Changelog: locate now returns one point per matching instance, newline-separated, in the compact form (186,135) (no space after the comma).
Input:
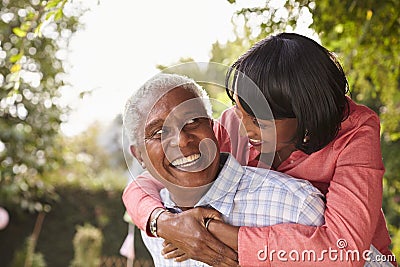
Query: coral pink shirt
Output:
(348,171)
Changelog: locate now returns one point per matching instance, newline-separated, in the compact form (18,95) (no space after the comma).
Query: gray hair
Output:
(139,104)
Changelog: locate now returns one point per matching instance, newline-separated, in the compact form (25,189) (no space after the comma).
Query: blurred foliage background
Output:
(38,164)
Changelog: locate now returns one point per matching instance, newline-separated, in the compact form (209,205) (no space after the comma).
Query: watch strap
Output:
(153,222)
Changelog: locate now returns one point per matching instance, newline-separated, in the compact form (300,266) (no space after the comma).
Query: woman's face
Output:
(266,135)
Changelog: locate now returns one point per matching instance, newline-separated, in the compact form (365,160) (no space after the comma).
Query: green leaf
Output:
(59,15)
(19,32)
(15,58)
(37,29)
(15,68)
(30,15)
(52,4)
(26,26)
(49,14)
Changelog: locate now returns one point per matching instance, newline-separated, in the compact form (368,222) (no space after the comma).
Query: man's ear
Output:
(136,153)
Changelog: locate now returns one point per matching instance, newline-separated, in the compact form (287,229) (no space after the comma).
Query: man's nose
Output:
(180,138)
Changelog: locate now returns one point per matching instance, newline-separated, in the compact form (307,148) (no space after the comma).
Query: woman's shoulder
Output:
(361,123)
(359,116)
(361,111)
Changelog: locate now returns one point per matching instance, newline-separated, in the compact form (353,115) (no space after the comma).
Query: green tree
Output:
(92,159)
(34,36)
(210,75)
(88,242)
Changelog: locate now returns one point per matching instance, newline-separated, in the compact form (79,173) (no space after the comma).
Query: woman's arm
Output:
(141,197)
(352,211)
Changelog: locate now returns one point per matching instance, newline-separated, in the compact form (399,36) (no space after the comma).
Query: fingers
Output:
(182,258)
(221,249)
(167,248)
(221,258)
(186,237)
(216,253)
(170,251)
(174,254)
(208,213)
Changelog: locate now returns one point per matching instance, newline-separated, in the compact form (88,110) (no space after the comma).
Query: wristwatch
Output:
(153,223)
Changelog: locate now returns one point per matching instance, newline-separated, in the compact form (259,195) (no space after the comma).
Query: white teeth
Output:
(255,140)
(186,161)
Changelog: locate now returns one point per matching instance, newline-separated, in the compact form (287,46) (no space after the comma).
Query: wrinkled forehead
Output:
(178,104)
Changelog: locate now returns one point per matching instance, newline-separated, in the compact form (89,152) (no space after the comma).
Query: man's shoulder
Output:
(259,179)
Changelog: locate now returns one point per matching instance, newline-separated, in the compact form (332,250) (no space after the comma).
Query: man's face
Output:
(180,145)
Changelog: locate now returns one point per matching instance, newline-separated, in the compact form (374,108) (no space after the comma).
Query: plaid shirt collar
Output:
(221,194)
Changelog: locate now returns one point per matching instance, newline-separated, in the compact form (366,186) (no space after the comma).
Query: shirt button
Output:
(291,161)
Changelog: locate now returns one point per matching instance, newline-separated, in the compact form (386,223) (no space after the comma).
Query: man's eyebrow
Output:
(194,113)
(153,123)
(201,112)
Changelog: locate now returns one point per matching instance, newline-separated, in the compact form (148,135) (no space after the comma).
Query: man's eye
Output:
(157,134)
(191,121)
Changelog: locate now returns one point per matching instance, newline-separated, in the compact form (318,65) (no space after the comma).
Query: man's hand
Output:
(171,252)
(186,236)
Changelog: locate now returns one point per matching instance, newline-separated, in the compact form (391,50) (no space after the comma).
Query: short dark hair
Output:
(300,79)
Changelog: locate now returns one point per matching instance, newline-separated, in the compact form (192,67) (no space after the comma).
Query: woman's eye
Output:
(255,121)
(260,125)
(263,126)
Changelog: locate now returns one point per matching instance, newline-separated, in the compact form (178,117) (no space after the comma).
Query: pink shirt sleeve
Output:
(141,197)
(352,211)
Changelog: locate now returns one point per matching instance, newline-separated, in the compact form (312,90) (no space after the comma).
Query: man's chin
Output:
(191,179)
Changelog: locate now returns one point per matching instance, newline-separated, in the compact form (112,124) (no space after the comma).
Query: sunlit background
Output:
(147,33)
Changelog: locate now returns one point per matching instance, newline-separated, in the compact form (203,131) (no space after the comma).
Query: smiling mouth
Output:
(186,161)
(255,142)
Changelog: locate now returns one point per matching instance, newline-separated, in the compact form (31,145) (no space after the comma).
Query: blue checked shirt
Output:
(248,196)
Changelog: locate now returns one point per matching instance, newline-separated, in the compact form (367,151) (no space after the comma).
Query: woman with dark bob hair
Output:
(290,96)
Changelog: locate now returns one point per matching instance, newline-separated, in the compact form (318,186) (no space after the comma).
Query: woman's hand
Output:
(187,233)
